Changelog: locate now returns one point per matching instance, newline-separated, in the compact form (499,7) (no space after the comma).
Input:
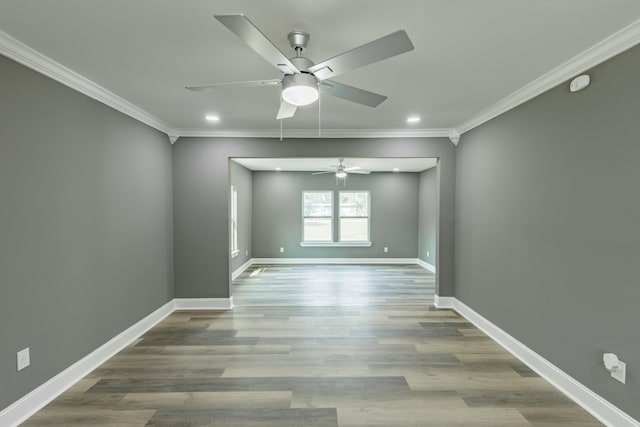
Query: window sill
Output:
(336,244)
(235,254)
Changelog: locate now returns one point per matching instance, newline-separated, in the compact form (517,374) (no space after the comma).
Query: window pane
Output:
(317,203)
(354,203)
(354,229)
(317,230)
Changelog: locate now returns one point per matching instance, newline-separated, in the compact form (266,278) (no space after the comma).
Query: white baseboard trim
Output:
(29,404)
(241,269)
(334,261)
(443,302)
(597,406)
(203,303)
(426,265)
(25,407)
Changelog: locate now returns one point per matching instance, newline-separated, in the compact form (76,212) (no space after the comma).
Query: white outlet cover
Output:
(23,359)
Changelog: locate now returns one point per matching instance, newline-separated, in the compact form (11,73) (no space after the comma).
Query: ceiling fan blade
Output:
(286,110)
(377,50)
(353,168)
(360,172)
(351,93)
(250,83)
(320,173)
(250,34)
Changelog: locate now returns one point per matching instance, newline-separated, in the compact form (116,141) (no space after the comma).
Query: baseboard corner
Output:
(238,271)
(426,265)
(203,303)
(443,302)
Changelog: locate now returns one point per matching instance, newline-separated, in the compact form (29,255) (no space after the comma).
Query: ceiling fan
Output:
(341,171)
(302,78)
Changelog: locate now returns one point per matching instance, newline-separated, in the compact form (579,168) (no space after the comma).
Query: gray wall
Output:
(278,220)
(428,209)
(201,183)
(242,178)
(547,231)
(85,225)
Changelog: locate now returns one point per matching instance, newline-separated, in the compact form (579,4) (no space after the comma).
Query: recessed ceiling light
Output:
(396,169)
(278,169)
(413,119)
(212,118)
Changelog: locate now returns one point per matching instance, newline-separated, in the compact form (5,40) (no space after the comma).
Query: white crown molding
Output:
(613,45)
(600,408)
(20,52)
(454,136)
(313,133)
(617,43)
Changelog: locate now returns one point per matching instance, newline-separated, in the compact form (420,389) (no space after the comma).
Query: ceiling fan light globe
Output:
(341,174)
(299,89)
(300,95)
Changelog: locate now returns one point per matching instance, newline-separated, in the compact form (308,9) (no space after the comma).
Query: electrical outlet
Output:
(246,252)
(281,250)
(427,253)
(23,358)
(386,249)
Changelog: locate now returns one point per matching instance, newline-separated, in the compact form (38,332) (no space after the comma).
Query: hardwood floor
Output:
(316,346)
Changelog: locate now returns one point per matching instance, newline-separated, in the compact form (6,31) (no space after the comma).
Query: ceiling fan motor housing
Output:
(302,64)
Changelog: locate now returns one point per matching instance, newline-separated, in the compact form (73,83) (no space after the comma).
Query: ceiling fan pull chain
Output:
(319,115)
(280,129)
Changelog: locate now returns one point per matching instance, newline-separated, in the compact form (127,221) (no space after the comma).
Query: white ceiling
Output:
(316,164)
(468,55)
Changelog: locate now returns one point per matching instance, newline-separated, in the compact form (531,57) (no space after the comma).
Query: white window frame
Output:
(317,242)
(233,216)
(368,217)
(334,227)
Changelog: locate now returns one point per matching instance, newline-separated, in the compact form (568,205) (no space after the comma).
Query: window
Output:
(234,222)
(354,216)
(317,216)
(352,210)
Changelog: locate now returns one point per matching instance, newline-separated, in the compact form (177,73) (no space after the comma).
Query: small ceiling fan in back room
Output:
(303,79)
(341,171)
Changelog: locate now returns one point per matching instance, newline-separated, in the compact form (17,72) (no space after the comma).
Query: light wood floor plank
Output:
(328,345)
